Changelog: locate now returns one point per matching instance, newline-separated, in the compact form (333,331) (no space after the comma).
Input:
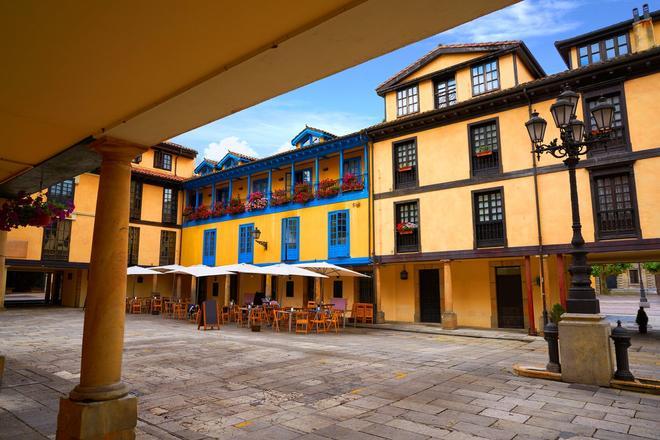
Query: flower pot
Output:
(256,328)
(408,168)
(484,153)
(406,232)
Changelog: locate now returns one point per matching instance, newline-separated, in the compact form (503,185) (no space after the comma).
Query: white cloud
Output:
(217,150)
(284,147)
(530,18)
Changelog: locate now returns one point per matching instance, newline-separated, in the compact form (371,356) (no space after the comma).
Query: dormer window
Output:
(407,101)
(162,160)
(485,78)
(603,50)
(311,140)
(445,92)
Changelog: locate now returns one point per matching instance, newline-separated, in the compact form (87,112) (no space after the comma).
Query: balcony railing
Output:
(302,193)
(616,223)
(490,234)
(408,242)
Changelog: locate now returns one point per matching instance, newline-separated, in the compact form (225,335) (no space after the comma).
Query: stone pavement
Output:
(360,384)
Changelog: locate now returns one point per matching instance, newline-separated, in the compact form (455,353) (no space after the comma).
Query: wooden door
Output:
(429,295)
(510,313)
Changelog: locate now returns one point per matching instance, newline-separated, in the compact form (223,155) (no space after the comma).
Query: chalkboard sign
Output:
(209,316)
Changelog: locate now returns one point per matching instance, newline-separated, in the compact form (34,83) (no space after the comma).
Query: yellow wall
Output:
(642,111)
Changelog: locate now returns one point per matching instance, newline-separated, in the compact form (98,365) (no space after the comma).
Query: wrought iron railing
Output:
(407,242)
(490,234)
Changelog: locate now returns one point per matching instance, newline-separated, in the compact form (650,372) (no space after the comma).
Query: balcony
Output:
(326,191)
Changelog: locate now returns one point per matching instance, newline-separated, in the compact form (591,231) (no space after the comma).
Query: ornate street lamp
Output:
(256,233)
(574,143)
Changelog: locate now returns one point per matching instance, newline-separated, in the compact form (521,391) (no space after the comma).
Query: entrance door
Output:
(508,282)
(201,290)
(429,295)
(366,289)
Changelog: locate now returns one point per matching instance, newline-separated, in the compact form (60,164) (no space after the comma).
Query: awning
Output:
(331,270)
(137,270)
(291,270)
(201,270)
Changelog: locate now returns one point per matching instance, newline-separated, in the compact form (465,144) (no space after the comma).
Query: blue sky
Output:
(346,102)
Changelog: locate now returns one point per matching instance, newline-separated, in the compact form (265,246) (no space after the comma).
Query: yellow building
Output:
(307,204)
(468,229)
(57,257)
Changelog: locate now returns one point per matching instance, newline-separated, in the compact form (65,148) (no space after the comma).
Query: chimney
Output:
(642,30)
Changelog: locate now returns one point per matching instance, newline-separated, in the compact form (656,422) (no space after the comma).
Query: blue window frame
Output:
(245,243)
(338,234)
(208,247)
(302,176)
(222,195)
(353,166)
(290,239)
(199,199)
(260,185)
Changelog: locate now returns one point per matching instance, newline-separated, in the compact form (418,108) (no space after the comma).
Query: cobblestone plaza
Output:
(359,384)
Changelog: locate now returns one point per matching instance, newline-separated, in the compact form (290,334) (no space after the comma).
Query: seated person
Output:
(258,298)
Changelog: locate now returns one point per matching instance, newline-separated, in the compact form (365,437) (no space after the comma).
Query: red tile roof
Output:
(158,174)
(242,156)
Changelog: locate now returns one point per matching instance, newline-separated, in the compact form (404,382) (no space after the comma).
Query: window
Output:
(162,160)
(606,49)
(170,204)
(56,241)
(338,289)
(208,247)
(302,176)
(338,234)
(616,213)
(136,200)
(407,213)
(633,276)
(405,164)
(167,247)
(245,243)
(445,93)
(407,101)
(290,238)
(618,140)
(489,218)
(133,245)
(62,192)
(137,159)
(484,148)
(485,78)
(222,195)
(289,288)
(353,166)
(260,185)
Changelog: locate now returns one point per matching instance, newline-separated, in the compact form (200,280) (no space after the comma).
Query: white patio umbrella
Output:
(168,267)
(330,269)
(291,270)
(244,268)
(137,270)
(200,270)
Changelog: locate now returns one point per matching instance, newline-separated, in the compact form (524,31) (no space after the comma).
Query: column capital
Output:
(117,149)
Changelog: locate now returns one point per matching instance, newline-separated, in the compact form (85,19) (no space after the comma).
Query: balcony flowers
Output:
(218,209)
(279,197)
(200,213)
(187,211)
(485,150)
(256,201)
(350,182)
(327,188)
(406,228)
(302,193)
(27,211)
(235,207)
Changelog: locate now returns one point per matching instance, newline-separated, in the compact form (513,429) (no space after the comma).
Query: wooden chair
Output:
(369,313)
(136,306)
(157,305)
(146,305)
(225,315)
(278,318)
(179,311)
(319,322)
(311,305)
(302,322)
(333,321)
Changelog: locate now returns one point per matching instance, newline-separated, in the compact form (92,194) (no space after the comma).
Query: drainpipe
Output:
(538,219)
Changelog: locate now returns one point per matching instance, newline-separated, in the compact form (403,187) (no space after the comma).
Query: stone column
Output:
(561,274)
(530,296)
(99,407)
(227,289)
(317,292)
(380,314)
(269,286)
(449,318)
(3,268)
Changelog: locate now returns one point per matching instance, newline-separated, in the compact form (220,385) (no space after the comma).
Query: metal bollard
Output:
(621,340)
(551,334)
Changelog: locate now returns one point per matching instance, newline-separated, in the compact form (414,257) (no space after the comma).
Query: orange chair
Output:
(302,322)
(278,317)
(369,313)
(225,315)
(319,322)
(311,304)
(157,305)
(333,322)
(146,305)
(136,306)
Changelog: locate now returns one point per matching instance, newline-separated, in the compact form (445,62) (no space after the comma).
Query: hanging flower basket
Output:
(27,211)
(327,188)
(235,207)
(302,193)
(350,182)
(256,201)
(406,228)
(405,168)
(279,197)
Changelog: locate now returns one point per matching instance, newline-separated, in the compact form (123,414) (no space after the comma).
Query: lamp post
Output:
(572,144)
(256,233)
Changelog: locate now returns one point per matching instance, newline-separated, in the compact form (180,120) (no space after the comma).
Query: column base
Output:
(585,350)
(2,367)
(108,420)
(449,321)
